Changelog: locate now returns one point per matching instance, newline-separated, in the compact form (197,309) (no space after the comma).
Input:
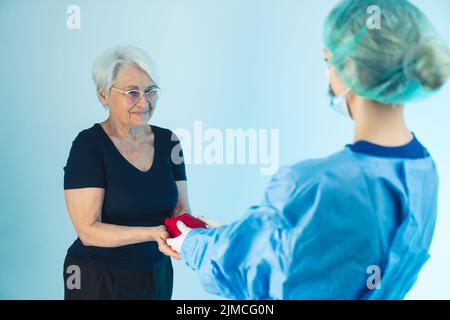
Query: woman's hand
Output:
(160,234)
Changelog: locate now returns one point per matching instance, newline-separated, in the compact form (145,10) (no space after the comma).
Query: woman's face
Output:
(123,108)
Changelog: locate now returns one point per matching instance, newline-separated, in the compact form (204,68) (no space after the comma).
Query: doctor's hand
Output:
(177,243)
(160,235)
(210,223)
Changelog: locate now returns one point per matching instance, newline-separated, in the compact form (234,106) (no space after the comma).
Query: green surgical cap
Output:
(386,50)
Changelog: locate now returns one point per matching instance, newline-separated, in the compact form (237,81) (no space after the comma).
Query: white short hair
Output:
(108,64)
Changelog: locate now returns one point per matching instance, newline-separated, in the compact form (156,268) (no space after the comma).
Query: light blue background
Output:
(230,64)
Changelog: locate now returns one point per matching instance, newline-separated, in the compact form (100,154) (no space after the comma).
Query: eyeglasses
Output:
(134,96)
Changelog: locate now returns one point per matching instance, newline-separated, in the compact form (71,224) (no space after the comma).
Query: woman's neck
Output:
(123,132)
(380,124)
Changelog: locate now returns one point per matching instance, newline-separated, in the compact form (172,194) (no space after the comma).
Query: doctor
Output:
(359,223)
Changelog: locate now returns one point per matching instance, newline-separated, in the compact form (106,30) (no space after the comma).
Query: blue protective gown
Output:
(322,225)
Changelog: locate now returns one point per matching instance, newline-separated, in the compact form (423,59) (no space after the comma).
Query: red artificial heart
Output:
(187,219)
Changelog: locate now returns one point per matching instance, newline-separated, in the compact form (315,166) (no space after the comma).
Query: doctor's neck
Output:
(378,123)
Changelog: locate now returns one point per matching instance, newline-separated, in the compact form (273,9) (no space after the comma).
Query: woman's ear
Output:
(327,54)
(101,94)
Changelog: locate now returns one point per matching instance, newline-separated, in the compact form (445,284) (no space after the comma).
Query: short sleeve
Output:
(84,167)
(176,157)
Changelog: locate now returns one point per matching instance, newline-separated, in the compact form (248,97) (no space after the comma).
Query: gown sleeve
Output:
(246,259)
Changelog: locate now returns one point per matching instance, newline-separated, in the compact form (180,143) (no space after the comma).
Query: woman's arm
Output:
(239,259)
(183,201)
(85,205)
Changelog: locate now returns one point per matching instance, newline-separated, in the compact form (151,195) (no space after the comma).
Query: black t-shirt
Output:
(132,197)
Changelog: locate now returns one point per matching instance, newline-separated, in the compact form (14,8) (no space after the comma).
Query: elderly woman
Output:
(120,184)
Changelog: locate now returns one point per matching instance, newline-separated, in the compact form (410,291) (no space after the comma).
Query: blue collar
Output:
(412,150)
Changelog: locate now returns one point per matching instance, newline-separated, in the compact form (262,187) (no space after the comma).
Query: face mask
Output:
(339,103)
